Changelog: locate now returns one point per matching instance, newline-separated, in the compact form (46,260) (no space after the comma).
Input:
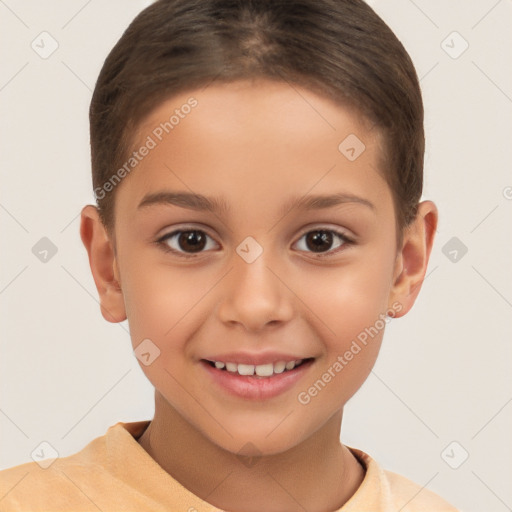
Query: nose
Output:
(254,295)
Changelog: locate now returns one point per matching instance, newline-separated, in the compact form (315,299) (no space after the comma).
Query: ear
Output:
(412,260)
(103,262)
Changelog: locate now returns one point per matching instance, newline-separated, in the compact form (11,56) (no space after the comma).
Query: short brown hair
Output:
(339,48)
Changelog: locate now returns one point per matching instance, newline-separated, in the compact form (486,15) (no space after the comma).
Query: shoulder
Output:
(64,483)
(413,497)
(386,491)
(31,487)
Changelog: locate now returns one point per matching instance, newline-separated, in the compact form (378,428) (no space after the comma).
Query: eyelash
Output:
(161,242)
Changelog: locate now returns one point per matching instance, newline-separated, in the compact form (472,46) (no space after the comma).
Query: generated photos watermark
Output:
(361,341)
(157,135)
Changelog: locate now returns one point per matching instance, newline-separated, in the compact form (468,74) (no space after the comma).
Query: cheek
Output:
(156,299)
(166,305)
(337,381)
(356,322)
(159,308)
(350,305)
(348,298)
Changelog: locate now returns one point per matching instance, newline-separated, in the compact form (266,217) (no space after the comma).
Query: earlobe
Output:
(103,264)
(412,260)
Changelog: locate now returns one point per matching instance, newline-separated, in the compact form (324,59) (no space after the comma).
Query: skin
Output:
(256,144)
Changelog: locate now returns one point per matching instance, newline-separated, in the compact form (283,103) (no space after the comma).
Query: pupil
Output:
(194,239)
(319,238)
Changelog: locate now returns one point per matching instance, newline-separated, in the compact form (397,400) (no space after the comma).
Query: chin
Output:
(256,443)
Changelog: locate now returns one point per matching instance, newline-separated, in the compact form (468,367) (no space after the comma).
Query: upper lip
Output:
(255,359)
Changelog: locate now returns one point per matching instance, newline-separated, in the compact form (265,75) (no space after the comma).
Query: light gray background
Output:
(444,372)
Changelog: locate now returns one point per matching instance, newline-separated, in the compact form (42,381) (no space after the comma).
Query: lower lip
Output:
(253,387)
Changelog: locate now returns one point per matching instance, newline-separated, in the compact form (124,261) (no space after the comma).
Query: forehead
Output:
(258,105)
(272,139)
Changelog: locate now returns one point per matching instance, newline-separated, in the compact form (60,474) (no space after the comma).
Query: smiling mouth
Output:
(262,370)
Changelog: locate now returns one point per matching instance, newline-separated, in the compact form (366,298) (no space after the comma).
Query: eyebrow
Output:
(218,205)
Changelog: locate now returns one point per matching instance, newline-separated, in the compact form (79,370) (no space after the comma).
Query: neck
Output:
(317,475)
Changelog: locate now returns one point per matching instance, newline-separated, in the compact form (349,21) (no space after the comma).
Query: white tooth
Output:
(279,367)
(246,369)
(290,365)
(265,370)
(219,364)
(231,367)
(298,361)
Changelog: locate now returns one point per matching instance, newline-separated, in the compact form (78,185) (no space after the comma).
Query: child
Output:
(231,140)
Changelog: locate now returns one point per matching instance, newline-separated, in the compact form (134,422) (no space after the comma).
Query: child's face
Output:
(256,148)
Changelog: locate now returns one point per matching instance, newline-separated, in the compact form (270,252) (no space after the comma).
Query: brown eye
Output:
(324,242)
(193,241)
(319,241)
(186,241)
